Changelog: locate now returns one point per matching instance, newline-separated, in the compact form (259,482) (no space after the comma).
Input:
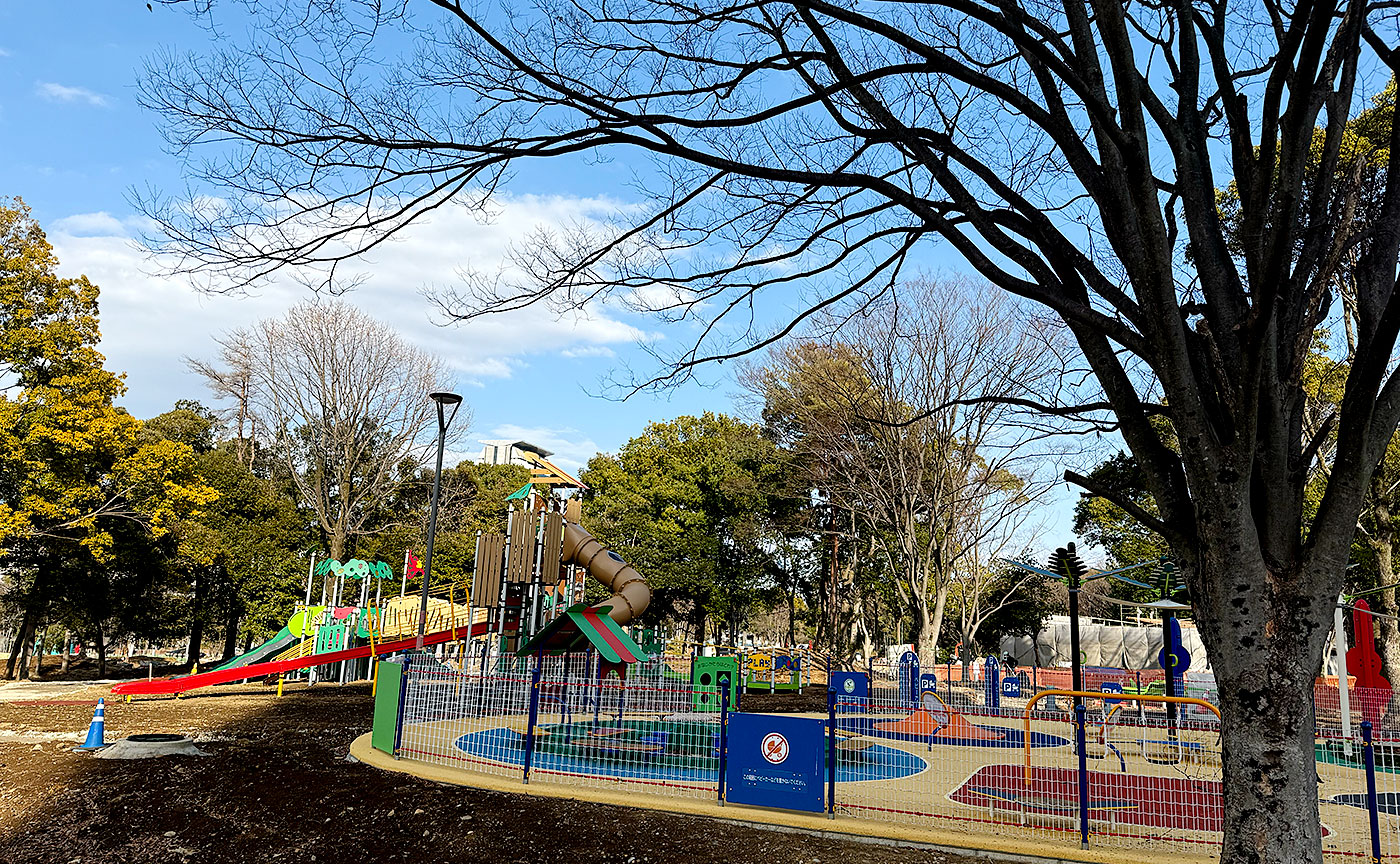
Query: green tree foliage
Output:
(1106,525)
(688,503)
(79,485)
(238,560)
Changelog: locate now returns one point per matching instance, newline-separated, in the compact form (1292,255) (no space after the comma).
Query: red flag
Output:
(414,565)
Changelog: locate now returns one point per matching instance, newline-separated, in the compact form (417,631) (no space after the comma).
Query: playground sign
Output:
(1011,687)
(776,761)
(992,683)
(849,686)
(909,677)
(1111,687)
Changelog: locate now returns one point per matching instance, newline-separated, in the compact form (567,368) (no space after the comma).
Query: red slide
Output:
(277,667)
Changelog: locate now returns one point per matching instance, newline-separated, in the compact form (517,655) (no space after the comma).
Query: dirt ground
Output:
(277,787)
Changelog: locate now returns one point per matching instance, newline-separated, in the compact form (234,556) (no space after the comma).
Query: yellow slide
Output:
(630,593)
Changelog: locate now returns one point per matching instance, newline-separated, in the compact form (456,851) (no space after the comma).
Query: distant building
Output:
(505,451)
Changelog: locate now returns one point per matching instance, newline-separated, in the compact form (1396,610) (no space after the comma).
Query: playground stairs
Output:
(303,648)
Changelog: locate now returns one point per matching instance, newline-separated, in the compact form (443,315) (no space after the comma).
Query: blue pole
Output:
(830,752)
(534,716)
(1372,806)
(1079,712)
(723,733)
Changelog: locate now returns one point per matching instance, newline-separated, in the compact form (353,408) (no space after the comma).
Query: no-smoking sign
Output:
(775,748)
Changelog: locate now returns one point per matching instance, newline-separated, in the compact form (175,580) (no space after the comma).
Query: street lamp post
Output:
(443,400)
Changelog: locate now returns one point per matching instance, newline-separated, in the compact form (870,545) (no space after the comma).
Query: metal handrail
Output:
(1092,694)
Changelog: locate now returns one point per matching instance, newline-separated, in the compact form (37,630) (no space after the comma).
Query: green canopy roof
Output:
(522,493)
(582,627)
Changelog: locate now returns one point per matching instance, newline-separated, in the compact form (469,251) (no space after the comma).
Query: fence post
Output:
(723,680)
(830,751)
(407,662)
(1372,806)
(1079,712)
(534,716)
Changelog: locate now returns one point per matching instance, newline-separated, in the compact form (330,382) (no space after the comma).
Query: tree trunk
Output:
(101,651)
(193,651)
(1265,653)
(1382,542)
(231,633)
(67,652)
(19,651)
(929,623)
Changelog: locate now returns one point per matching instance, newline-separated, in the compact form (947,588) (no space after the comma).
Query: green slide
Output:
(266,651)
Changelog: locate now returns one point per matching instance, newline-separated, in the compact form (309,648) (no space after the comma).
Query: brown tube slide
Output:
(630,593)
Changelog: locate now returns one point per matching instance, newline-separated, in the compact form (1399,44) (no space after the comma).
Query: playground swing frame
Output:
(1090,694)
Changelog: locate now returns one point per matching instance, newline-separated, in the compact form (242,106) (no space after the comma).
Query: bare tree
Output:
(343,401)
(906,423)
(1071,153)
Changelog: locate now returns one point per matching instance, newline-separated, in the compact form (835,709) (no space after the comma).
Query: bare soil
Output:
(277,787)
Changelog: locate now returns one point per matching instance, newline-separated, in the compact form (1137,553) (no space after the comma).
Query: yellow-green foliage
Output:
(70,460)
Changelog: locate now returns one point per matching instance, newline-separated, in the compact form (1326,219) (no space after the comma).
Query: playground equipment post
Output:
(723,680)
(1079,712)
(830,750)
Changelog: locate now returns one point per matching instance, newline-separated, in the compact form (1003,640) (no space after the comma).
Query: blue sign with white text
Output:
(1011,687)
(776,761)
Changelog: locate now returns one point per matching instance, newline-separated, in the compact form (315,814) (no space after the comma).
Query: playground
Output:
(512,683)
(276,788)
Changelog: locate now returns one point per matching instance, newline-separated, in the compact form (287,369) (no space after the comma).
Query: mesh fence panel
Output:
(960,760)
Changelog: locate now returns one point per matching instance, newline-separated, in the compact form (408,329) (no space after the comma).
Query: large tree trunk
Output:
(231,633)
(1265,653)
(19,650)
(929,623)
(101,650)
(193,650)
(1381,541)
(67,652)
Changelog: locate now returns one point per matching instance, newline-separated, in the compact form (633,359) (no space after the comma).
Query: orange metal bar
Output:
(1095,694)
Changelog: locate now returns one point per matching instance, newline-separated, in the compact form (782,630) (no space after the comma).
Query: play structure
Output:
(527,583)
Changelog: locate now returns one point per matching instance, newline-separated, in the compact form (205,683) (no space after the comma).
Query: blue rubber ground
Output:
(876,762)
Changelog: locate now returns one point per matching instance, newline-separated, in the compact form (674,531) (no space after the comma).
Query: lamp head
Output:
(444,398)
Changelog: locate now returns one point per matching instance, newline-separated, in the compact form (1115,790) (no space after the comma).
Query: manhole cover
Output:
(155,738)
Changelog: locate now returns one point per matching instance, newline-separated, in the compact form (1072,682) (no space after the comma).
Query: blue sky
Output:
(74,142)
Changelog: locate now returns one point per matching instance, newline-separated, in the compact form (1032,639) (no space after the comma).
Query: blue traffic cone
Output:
(96,729)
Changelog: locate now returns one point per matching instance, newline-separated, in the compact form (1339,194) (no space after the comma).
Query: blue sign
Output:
(992,683)
(927,681)
(909,677)
(776,761)
(1111,687)
(851,689)
(1011,687)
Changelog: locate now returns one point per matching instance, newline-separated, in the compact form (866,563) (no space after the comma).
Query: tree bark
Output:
(193,651)
(1264,651)
(231,633)
(19,651)
(101,650)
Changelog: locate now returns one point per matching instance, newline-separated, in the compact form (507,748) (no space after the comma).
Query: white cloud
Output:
(4,53)
(571,449)
(587,351)
(150,323)
(54,92)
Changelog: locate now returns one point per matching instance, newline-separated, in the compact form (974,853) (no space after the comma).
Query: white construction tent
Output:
(1103,643)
